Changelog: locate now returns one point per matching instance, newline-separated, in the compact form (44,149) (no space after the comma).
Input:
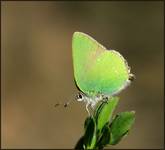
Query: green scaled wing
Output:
(96,69)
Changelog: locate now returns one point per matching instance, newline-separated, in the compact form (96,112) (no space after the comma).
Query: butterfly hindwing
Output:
(97,70)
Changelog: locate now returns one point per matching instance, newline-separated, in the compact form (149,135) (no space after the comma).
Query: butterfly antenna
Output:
(57,104)
(64,104)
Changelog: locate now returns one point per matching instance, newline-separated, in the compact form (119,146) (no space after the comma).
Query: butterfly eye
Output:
(79,97)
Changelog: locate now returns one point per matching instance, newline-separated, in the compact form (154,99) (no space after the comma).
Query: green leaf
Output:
(104,112)
(105,137)
(87,121)
(80,144)
(90,133)
(121,125)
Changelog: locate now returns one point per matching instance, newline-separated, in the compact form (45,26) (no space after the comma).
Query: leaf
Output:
(105,137)
(90,133)
(87,121)
(80,144)
(121,125)
(104,112)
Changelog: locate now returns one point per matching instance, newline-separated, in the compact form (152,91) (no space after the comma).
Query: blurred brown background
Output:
(37,69)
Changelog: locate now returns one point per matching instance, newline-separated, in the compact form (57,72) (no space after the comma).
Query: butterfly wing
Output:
(97,70)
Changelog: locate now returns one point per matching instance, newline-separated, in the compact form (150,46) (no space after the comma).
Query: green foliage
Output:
(104,112)
(90,133)
(101,130)
(121,125)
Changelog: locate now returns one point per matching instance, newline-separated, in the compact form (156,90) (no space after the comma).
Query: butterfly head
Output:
(79,97)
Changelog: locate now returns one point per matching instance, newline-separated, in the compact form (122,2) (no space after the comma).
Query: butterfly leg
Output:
(87,104)
(105,99)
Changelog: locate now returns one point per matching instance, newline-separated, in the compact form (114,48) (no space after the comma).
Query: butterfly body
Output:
(90,100)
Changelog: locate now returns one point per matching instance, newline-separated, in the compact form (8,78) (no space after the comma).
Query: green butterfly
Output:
(99,73)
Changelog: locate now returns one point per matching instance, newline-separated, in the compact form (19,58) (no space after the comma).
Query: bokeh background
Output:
(37,71)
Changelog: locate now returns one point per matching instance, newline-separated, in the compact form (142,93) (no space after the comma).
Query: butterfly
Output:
(99,73)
